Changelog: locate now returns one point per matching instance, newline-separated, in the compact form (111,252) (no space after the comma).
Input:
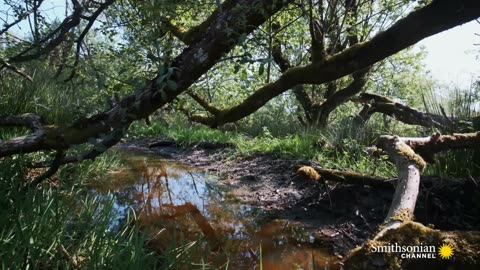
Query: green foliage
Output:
(62,227)
(56,101)
(328,148)
(402,77)
(180,132)
(50,226)
(461,103)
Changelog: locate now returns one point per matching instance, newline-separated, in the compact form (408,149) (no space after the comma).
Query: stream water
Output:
(186,207)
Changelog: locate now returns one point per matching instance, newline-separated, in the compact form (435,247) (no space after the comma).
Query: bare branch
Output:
(15,70)
(56,163)
(20,18)
(374,103)
(29,120)
(91,20)
(105,143)
(51,41)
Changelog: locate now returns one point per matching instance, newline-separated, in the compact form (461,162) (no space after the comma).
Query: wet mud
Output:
(294,220)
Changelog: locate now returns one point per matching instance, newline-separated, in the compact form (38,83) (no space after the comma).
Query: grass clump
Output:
(63,227)
(181,132)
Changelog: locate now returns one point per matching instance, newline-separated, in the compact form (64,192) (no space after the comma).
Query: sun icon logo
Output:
(445,251)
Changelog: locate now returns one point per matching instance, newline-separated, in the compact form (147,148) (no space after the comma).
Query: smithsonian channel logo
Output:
(444,251)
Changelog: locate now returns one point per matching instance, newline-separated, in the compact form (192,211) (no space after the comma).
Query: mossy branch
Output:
(374,103)
(205,104)
(345,177)
(214,42)
(189,36)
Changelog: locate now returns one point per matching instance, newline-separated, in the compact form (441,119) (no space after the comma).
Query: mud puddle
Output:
(186,207)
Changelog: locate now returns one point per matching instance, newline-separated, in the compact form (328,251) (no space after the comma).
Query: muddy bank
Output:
(344,216)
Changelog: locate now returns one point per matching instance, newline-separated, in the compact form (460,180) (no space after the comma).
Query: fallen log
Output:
(428,146)
(373,103)
(345,177)
(399,230)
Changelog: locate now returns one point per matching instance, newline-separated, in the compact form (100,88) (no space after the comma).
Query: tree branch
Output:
(199,57)
(400,35)
(105,143)
(60,32)
(28,120)
(56,163)
(91,20)
(205,104)
(15,70)
(339,97)
(190,65)
(21,17)
(374,103)
(345,177)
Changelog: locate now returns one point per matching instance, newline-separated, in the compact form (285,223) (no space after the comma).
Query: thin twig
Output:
(14,69)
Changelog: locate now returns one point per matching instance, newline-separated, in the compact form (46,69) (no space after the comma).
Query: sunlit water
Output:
(185,207)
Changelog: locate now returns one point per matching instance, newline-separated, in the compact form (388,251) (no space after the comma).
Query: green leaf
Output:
(172,85)
(161,70)
(236,69)
(261,70)
(169,72)
(160,79)
(101,82)
(117,87)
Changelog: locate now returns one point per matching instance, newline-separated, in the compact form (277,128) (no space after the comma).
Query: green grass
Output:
(181,132)
(61,224)
(60,227)
(330,149)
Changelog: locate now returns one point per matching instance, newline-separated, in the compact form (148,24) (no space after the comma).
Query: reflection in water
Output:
(178,204)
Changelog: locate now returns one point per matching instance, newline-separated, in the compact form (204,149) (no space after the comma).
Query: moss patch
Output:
(308,172)
(466,246)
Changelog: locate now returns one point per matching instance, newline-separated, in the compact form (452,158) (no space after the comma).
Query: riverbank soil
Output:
(343,216)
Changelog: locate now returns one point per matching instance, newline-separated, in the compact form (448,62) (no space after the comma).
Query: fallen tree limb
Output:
(398,227)
(374,103)
(100,147)
(428,146)
(29,120)
(55,165)
(409,166)
(345,177)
